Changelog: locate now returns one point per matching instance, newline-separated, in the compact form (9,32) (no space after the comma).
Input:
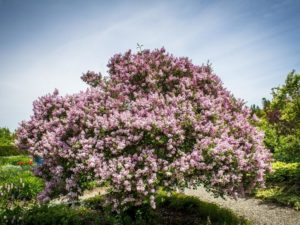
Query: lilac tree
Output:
(157,121)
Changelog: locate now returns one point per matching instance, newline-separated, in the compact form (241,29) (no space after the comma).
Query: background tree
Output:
(281,119)
(6,137)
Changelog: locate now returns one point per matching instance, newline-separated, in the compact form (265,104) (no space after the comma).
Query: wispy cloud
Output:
(249,53)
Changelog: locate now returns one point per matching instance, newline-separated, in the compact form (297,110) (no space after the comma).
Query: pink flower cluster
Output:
(156,122)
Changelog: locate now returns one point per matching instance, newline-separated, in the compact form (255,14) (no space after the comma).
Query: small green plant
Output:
(285,172)
(280,195)
(283,185)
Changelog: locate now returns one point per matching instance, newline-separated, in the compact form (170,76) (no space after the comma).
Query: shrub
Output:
(194,207)
(8,150)
(280,119)
(6,137)
(289,173)
(156,121)
(283,185)
(284,195)
(51,215)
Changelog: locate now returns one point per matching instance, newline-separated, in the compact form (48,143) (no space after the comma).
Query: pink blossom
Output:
(156,121)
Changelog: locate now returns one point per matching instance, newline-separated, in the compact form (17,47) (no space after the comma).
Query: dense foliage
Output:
(7,150)
(156,122)
(283,185)
(7,146)
(6,137)
(280,120)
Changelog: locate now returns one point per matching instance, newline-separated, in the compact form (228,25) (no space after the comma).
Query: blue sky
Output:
(44,45)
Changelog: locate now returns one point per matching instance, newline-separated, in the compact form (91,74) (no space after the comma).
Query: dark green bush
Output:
(283,185)
(193,207)
(6,137)
(280,120)
(52,215)
(7,150)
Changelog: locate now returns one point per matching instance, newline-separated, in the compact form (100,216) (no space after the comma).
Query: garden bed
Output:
(18,205)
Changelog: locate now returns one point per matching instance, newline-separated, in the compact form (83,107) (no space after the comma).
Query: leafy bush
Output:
(283,195)
(280,119)
(8,150)
(288,147)
(6,137)
(289,173)
(193,207)
(157,121)
(283,185)
(51,215)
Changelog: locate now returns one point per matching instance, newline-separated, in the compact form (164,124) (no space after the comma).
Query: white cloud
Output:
(243,57)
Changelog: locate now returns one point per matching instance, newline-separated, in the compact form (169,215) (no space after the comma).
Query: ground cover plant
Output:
(156,121)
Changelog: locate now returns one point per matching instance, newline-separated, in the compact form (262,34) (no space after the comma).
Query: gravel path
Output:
(253,209)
